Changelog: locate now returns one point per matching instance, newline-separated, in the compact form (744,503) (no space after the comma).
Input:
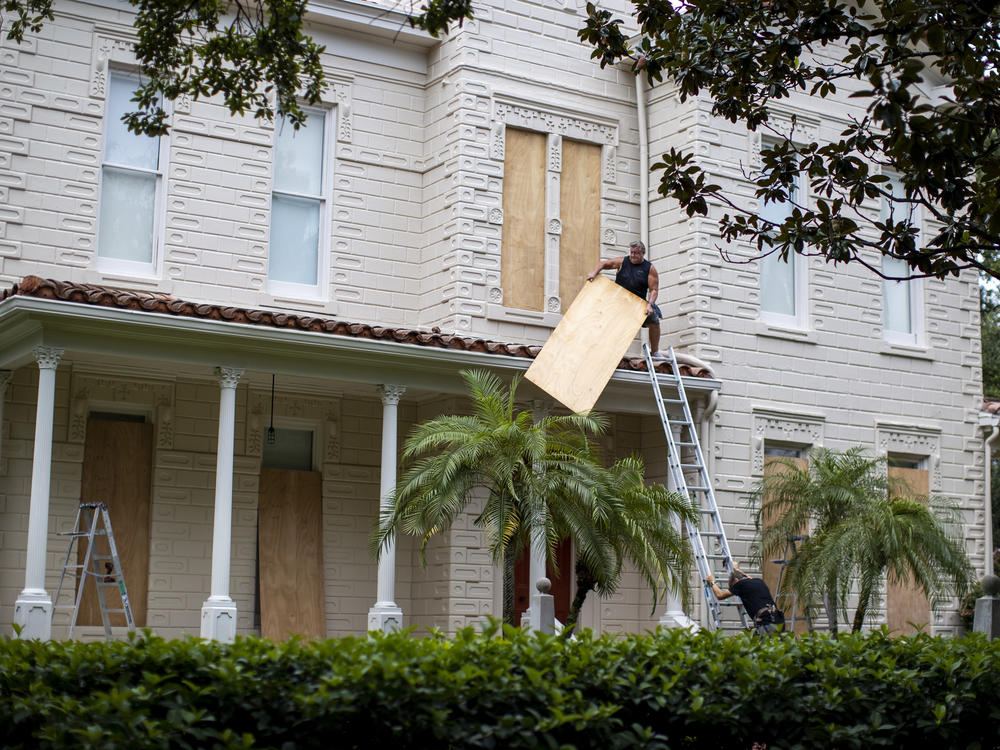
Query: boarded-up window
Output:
(775,461)
(907,609)
(580,213)
(117,459)
(522,265)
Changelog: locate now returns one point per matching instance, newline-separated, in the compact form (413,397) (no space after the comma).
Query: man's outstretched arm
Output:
(604,265)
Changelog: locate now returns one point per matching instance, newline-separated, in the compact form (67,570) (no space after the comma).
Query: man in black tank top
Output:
(755,597)
(637,274)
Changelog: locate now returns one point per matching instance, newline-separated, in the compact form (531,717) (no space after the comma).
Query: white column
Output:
(674,615)
(218,613)
(386,615)
(33,606)
(537,554)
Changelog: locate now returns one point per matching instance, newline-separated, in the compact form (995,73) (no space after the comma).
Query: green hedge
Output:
(667,690)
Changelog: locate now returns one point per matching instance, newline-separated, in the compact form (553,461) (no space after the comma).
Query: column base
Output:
(676,618)
(33,613)
(218,619)
(386,617)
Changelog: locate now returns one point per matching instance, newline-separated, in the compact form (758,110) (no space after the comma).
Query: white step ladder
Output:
(707,537)
(93,520)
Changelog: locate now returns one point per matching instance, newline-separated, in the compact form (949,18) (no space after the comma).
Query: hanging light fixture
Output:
(271,436)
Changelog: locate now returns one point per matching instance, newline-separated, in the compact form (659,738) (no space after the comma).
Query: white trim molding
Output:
(912,440)
(789,428)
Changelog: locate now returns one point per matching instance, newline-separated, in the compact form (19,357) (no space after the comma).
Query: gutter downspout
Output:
(988,447)
(641,89)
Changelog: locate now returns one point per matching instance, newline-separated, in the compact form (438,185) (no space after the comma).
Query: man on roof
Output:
(637,274)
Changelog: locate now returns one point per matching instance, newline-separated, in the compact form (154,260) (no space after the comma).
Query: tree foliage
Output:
(863,526)
(541,479)
(922,72)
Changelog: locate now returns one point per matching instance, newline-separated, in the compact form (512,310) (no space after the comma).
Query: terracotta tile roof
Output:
(90,294)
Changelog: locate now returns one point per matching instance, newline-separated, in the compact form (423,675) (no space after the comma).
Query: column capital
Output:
(5,377)
(390,394)
(47,357)
(229,376)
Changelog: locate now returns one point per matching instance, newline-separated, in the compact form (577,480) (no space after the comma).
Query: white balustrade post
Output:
(218,613)
(386,614)
(33,607)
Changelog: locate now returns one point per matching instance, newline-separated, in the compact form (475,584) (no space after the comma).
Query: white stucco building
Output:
(437,213)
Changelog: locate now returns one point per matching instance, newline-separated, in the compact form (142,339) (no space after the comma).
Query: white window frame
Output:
(799,320)
(120,266)
(915,337)
(319,290)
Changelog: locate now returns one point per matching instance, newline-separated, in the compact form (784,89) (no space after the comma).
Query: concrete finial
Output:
(544,585)
(991,585)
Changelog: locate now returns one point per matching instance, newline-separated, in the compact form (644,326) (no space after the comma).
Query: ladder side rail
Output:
(705,482)
(117,570)
(85,566)
(680,484)
(73,536)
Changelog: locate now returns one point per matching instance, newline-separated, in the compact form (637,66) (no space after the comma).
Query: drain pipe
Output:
(641,90)
(988,446)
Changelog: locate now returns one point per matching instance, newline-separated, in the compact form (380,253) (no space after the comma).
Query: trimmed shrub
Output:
(670,689)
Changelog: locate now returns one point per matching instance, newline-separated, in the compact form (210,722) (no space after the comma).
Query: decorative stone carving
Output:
(555,152)
(47,357)
(156,398)
(229,377)
(548,121)
(345,110)
(554,304)
(554,227)
(609,156)
(801,430)
(911,440)
(496,295)
(390,394)
(496,216)
(322,415)
(498,141)
(609,237)
(108,48)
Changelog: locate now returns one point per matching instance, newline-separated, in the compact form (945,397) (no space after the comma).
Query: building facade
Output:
(171,300)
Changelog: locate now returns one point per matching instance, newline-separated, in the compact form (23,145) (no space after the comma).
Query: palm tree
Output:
(863,527)
(542,480)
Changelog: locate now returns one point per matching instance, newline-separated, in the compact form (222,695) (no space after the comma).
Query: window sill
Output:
(143,276)
(774,331)
(906,350)
(524,317)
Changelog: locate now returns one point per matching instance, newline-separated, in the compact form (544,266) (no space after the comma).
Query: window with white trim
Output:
(131,187)
(902,308)
(299,238)
(783,283)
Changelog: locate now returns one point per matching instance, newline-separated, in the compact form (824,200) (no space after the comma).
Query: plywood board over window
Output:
(117,460)
(289,535)
(772,570)
(522,262)
(907,608)
(580,213)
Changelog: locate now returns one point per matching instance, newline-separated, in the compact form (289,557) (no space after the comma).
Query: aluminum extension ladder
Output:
(95,522)
(707,537)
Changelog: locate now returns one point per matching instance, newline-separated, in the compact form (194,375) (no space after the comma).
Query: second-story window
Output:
(902,321)
(299,207)
(131,178)
(782,283)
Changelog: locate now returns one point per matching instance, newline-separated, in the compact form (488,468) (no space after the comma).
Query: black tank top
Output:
(634,277)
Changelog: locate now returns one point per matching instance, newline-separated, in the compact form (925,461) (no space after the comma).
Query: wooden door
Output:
(117,461)
(771,569)
(524,588)
(907,608)
(290,544)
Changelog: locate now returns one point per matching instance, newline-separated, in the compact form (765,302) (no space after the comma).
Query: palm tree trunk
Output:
(585,583)
(864,598)
(508,587)
(830,601)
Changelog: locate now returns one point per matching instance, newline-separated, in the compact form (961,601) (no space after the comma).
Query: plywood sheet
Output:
(522,257)
(583,351)
(290,539)
(580,208)
(907,608)
(117,460)
(772,570)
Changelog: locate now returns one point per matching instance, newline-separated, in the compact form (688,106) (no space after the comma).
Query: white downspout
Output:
(641,88)
(988,447)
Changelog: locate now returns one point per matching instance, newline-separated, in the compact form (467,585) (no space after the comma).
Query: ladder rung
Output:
(672,400)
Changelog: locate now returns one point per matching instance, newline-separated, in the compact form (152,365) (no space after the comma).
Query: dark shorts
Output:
(653,318)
